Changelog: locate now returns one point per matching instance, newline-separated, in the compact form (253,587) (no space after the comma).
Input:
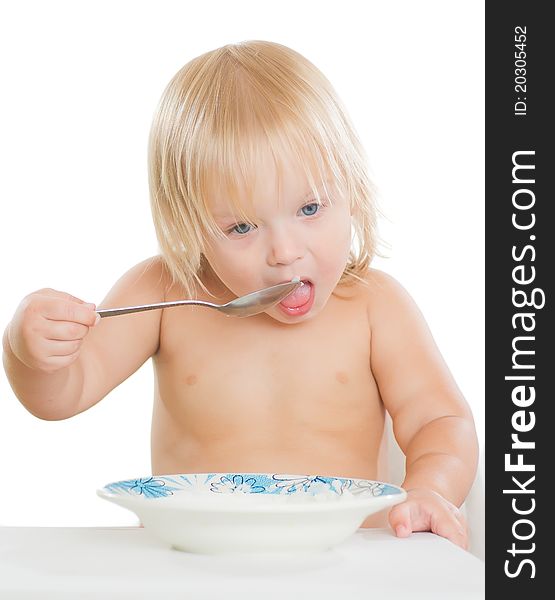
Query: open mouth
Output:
(300,301)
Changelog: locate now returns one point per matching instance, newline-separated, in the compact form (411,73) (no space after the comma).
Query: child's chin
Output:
(291,319)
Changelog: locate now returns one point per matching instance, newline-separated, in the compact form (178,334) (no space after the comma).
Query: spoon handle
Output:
(112,312)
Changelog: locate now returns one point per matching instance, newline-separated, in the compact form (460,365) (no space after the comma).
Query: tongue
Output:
(297,298)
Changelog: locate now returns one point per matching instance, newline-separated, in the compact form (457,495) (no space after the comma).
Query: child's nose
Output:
(284,248)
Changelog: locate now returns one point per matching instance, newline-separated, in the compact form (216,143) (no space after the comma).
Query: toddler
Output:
(256,177)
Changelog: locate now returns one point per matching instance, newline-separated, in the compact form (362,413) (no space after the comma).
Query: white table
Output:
(127,563)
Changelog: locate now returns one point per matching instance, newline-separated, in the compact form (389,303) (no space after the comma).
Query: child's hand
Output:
(48,328)
(426,510)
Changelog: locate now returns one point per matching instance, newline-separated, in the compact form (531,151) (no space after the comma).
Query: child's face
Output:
(293,236)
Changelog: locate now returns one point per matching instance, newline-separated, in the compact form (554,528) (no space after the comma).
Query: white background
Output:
(80,84)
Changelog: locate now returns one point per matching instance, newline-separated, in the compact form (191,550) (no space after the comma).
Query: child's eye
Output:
(241,228)
(310,209)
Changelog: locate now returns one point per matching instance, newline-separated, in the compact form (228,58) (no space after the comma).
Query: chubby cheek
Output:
(237,270)
(334,251)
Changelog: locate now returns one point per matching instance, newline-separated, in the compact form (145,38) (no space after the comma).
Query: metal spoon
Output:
(244,306)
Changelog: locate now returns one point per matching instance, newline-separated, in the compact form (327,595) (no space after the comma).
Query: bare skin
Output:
(305,399)
(278,392)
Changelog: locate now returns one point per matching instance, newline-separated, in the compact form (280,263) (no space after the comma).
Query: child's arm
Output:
(431,420)
(60,364)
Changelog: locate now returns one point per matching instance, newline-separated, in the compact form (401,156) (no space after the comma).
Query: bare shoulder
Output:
(145,282)
(415,383)
(386,299)
(379,282)
(117,347)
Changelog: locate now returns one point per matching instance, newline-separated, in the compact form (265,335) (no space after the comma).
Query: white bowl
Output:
(251,512)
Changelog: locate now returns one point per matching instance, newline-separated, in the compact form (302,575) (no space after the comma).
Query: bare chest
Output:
(228,384)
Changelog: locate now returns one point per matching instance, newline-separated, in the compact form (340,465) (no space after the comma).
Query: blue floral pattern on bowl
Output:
(160,486)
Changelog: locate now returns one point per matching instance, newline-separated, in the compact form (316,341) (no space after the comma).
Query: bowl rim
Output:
(195,501)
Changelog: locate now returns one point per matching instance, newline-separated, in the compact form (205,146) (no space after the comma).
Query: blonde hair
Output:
(216,116)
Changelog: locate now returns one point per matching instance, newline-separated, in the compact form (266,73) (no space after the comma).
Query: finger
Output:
(55,363)
(65,331)
(59,294)
(70,311)
(66,348)
(447,525)
(461,518)
(459,515)
(400,519)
